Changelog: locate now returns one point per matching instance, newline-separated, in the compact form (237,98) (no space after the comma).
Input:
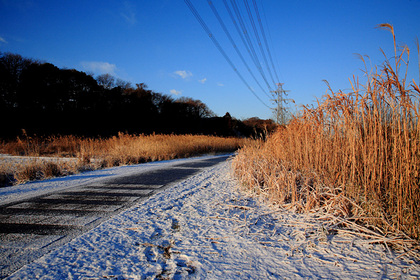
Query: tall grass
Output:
(356,155)
(94,153)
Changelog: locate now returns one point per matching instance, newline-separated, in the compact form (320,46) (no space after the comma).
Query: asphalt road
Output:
(35,226)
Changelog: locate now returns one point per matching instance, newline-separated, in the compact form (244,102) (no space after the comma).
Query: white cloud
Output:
(220,84)
(99,67)
(128,13)
(2,40)
(176,92)
(202,81)
(183,74)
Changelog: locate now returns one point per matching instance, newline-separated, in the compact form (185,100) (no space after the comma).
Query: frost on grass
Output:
(205,228)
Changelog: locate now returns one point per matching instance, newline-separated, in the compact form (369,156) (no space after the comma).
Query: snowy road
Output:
(37,224)
(203,227)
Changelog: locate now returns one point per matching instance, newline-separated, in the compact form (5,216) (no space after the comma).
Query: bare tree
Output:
(122,84)
(196,107)
(106,80)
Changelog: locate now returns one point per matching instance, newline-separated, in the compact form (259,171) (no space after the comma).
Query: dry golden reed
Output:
(356,155)
(92,153)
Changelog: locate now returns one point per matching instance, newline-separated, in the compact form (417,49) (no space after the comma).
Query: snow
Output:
(20,192)
(206,228)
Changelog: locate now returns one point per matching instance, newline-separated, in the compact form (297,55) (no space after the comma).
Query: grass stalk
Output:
(70,154)
(356,155)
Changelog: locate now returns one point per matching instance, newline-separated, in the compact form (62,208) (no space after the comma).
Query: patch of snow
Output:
(205,228)
(10,158)
(19,192)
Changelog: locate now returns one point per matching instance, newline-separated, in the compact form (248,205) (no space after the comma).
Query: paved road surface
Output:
(33,227)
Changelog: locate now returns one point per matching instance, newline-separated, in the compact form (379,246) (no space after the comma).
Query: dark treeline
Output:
(42,99)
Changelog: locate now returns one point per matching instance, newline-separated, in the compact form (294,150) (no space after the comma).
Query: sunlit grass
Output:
(356,155)
(93,153)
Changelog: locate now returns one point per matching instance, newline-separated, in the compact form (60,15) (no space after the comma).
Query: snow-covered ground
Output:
(20,192)
(205,228)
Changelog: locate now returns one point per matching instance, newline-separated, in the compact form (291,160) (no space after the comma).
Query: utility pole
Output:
(279,99)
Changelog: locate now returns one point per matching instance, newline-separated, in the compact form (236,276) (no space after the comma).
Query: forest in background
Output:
(38,98)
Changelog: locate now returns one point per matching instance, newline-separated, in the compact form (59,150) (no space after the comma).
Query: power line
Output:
(216,43)
(251,18)
(271,39)
(265,38)
(248,40)
(237,27)
(234,44)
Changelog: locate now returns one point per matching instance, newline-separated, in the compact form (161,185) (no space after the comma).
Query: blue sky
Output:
(161,43)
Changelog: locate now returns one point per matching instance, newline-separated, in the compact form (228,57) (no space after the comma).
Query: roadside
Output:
(57,156)
(21,191)
(21,169)
(205,228)
(40,220)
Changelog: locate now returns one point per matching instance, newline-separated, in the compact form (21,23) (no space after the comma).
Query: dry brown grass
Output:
(89,153)
(355,157)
